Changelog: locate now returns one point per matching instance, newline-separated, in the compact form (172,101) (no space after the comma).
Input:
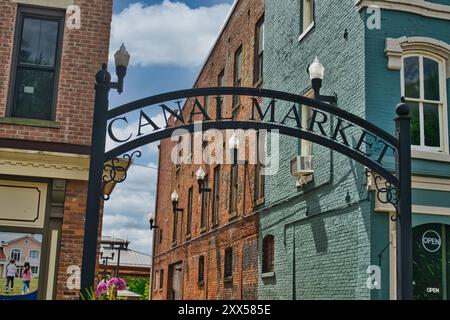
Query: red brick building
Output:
(49,56)
(210,250)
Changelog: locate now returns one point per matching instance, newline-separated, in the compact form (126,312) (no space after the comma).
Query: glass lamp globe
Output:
(316,70)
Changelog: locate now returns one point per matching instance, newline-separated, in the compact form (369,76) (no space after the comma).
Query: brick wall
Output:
(83,53)
(239,232)
(72,236)
(322,241)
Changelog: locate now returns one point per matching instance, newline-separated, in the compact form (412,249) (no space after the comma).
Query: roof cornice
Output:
(420,7)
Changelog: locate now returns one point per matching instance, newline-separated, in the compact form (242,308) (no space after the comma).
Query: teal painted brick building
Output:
(328,232)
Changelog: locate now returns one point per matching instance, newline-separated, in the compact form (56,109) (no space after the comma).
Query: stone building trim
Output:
(44,164)
(420,7)
(60,4)
(396,47)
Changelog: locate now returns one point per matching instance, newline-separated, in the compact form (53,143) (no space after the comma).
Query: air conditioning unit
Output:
(302,167)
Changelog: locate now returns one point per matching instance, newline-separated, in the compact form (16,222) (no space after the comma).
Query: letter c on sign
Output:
(111,134)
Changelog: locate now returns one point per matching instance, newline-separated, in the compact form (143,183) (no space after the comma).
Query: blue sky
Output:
(168,41)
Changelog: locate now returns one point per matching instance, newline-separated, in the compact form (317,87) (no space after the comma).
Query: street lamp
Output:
(151,220)
(316,72)
(201,181)
(105,260)
(122,59)
(97,161)
(175,197)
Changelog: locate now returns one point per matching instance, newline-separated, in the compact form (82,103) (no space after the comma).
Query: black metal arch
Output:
(396,186)
(245,125)
(253,92)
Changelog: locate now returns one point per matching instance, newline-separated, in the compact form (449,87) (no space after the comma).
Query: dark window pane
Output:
(38,43)
(268,254)
(216,194)
(431,79)
(201,268)
(411,74)
(415,123)
(33,94)
(228,263)
(431,125)
(189,213)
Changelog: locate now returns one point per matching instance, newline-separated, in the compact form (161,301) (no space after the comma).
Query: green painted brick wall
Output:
(318,233)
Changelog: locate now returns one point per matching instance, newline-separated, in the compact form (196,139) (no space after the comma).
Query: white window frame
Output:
(307,18)
(443,117)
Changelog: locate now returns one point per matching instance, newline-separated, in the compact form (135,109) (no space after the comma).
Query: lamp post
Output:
(97,160)
(316,73)
(201,181)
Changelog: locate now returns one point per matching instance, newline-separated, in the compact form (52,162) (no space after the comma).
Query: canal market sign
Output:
(271,110)
(329,126)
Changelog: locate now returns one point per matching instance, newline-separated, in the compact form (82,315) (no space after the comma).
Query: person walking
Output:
(11,273)
(27,275)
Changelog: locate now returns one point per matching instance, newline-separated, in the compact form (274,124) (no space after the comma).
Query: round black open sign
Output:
(431,241)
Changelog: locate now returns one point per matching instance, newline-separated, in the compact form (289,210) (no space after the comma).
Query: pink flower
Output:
(102,287)
(117,283)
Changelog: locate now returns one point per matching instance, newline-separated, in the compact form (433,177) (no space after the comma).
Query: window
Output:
(221,79)
(259,177)
(189,212)
(175,227)
(237,81)
(36,63)
(161,279)
(156,280)
(268,254)
(423,85)
(201,270)
(259,51)
(34,254)
(216,194)
(228,267)
(160,235)
(35,270)
(234,188)
(205,205)
(308,16)
(191,155)
(206,104)
(16,254)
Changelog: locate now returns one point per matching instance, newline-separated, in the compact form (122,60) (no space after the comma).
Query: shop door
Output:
(431,258)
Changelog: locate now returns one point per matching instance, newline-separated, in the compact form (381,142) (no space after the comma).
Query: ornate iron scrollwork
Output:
(386,192)
(115,171)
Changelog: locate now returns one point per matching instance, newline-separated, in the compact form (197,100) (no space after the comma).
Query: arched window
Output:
(268,254)
(423,86)
(228,267)
(201,270)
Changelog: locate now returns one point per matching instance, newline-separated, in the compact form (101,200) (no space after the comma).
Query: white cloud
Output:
(169,33)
